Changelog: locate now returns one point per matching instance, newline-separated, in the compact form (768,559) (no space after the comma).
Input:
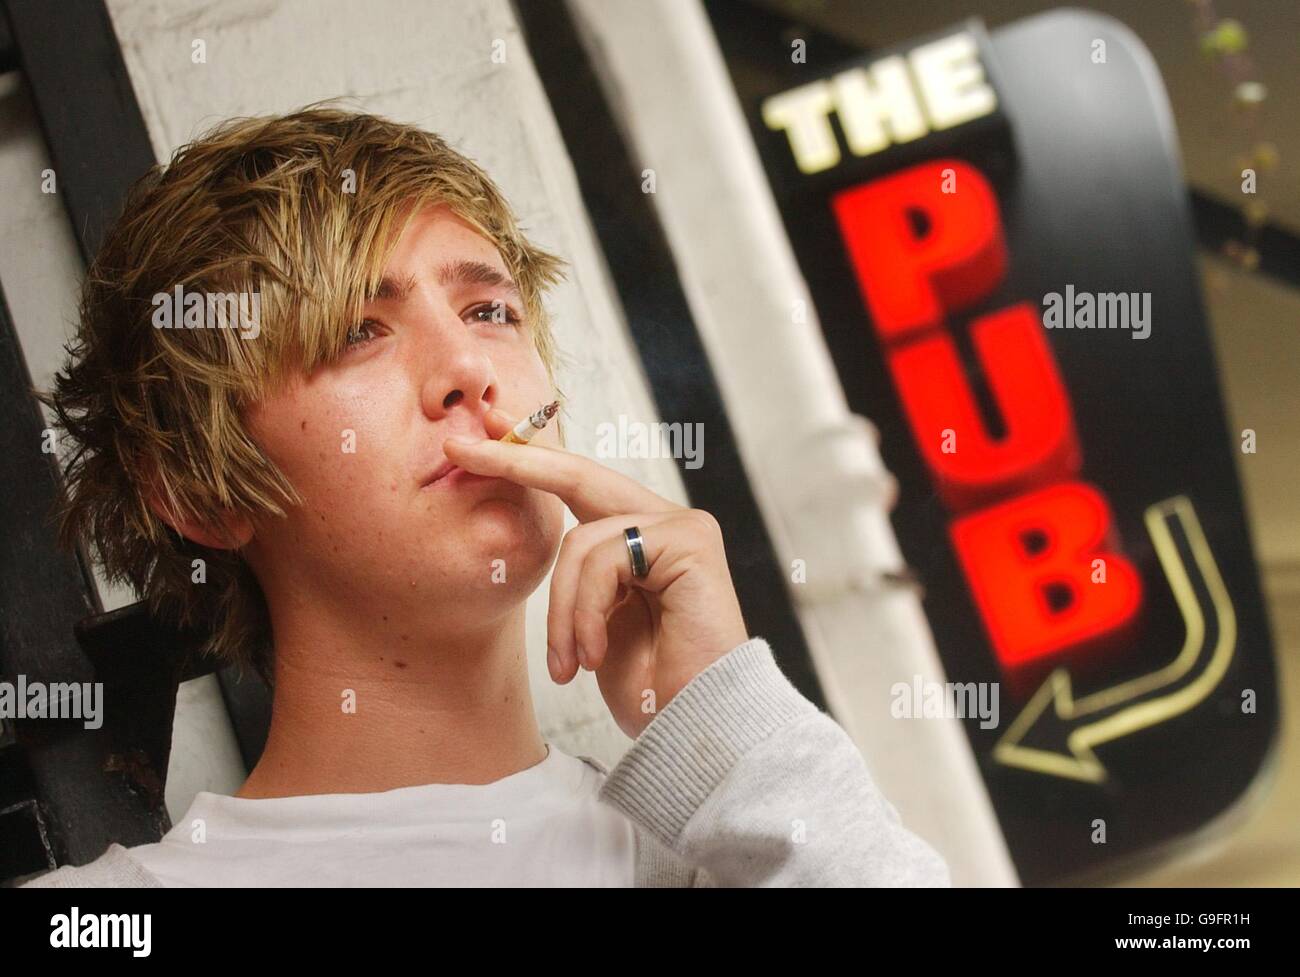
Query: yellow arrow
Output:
(1081,762)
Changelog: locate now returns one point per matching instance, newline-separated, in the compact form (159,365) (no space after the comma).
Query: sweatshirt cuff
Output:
(696,740)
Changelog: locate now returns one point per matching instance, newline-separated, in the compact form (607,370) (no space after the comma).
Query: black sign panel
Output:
(1068,492)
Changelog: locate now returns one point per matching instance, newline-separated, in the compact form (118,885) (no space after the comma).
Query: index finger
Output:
(591,490)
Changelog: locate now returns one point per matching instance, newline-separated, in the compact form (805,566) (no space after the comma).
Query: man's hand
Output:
(645,638)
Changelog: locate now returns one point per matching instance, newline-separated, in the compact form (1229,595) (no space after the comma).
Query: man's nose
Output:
(454,368)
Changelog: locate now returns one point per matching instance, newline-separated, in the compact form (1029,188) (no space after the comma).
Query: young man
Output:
(323,489)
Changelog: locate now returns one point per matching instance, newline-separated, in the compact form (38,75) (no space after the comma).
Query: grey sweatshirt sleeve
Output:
(745,779)
(115,869)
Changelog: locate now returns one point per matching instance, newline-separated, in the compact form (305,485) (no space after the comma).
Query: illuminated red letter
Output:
(910,274)
(968,466)
(1029,563)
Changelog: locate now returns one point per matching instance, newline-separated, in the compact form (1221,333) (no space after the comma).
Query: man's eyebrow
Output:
(466,272)
(462,271)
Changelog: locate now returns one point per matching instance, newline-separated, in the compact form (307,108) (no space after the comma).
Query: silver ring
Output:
(636,550)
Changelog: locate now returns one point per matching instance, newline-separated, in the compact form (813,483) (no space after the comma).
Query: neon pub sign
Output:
(1030,534)
(1035,542)
(926,243)
(1146,668)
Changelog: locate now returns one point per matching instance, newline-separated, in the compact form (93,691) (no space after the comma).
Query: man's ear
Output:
(238,528)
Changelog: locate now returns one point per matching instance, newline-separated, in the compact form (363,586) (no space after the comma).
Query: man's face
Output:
(361,440)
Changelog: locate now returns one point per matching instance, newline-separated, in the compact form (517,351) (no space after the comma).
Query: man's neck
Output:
(360,713)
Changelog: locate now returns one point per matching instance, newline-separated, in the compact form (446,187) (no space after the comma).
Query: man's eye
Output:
(360,334)
(498,312)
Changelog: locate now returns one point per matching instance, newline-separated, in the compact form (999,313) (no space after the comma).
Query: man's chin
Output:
(492,558)
(494,547)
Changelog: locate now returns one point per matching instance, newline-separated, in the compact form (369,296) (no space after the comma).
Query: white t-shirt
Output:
(542,826)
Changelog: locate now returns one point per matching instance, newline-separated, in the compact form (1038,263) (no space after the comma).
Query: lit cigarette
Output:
(525,430)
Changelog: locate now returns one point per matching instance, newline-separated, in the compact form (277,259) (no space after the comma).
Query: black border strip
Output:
(79,84)
(676,365)
(1217,223)
(88,792)
(99,145)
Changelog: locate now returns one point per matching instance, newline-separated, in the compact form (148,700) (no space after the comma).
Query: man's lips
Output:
(447,467)
(449,474)
(439,473)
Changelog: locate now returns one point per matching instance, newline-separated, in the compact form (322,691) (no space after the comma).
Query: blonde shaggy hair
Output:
(256,205)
